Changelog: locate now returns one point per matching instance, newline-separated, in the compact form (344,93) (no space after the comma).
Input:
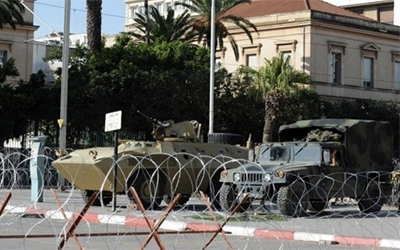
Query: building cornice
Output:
(357,23)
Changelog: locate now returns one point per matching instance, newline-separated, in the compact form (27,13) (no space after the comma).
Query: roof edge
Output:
(358,23)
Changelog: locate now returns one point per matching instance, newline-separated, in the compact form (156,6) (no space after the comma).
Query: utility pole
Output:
(62,122)
(212,68)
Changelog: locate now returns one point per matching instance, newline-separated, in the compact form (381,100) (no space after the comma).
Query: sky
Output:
(49,15)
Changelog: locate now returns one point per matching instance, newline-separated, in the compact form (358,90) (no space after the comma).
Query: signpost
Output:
(113,123)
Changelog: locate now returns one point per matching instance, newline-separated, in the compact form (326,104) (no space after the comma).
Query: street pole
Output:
(64,79)
(115,171)
(212,68)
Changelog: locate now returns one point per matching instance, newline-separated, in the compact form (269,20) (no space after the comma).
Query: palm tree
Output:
(165,28)
(93,28)
(201,22)
(11,13)
(273,83)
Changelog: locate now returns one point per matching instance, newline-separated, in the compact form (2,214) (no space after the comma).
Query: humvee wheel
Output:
(293,199)
(229,199)
(371,201)
(103,198)
(150,189)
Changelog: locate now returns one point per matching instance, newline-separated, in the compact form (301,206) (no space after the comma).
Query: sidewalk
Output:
(346,228)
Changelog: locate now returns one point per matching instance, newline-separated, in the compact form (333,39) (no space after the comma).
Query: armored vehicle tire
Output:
(150,189)
(225,138)
(181,202)
(214,192)
(371,201)
(104,198)
(318,205)
(293,200)
(229,199)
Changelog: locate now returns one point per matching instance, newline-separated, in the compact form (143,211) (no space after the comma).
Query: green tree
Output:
(302,104)
(39,101)
(8,70)
(235,110)
(163,80)
(202,21)
(8,103)
(93,28)
(239,112)
(368,110)
(6,115)
(273,83)
(165,28)
(24,103)
(11,13)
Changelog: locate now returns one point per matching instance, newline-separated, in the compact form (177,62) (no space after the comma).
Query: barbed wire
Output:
(334,217)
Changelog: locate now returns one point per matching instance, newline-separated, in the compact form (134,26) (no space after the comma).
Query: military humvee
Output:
(175,162)
(316,160)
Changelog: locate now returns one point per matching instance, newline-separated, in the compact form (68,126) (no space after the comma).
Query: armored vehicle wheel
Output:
(181,202)
(104,198)
(149,188)
(213,191)
(371,201)
(225,138)
(229,199)
(293,200)
(318,205)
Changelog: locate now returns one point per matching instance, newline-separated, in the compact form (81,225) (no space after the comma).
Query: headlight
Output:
(236,177)
(224,173)
(267,177)
(280,174)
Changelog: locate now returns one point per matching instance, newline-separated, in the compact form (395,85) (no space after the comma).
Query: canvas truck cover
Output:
(368,144)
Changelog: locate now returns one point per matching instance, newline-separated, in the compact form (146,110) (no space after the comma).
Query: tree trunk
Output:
(268,124)
(93,20)
(274,102)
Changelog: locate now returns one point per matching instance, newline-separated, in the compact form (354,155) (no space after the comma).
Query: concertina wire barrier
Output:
(340,216)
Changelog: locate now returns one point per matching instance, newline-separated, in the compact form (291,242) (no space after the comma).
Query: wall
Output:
(311,40)
(16,43)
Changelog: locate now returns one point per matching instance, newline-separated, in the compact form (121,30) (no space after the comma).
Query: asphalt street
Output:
(27,224)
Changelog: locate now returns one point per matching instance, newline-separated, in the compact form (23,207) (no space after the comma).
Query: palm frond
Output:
(202,23)
(11,13)
(167,28)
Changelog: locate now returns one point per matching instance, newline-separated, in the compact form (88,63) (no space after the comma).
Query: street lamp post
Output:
(212,68)
(64,79)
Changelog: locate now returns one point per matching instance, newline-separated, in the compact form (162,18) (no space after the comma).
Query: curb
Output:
(178,226)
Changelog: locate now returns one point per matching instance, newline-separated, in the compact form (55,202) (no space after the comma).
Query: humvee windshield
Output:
(290,153)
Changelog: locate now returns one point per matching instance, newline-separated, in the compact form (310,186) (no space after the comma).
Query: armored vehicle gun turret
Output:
(175,162)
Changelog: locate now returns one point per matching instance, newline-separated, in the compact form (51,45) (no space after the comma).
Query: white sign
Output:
(113,121)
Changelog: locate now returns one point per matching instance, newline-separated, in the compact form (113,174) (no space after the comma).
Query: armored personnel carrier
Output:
(315,161)
(175,162)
